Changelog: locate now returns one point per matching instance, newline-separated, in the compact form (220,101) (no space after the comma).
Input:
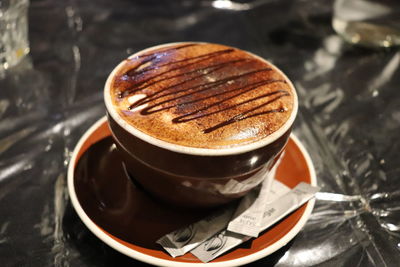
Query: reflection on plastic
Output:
(349,120)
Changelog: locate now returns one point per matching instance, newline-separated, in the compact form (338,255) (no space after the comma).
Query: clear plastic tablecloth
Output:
(349,121)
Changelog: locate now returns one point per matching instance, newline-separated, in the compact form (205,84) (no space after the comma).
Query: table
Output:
(349,121)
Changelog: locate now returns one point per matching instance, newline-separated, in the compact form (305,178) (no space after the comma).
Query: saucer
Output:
(125,217)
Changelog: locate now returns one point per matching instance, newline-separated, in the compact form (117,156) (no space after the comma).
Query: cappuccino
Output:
(201,95)
(199,124)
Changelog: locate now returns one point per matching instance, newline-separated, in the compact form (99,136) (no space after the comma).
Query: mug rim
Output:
(239,149)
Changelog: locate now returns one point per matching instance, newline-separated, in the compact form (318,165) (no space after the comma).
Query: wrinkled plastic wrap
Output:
(349,121)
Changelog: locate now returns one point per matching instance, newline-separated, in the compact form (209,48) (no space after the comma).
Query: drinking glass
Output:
(14,43)
(368,22)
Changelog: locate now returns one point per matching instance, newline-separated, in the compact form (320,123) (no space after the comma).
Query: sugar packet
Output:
(249,213)
(275,211)
(178,242)
(183,240)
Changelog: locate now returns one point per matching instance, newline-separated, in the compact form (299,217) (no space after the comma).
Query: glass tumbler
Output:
(14,43)
(373,23)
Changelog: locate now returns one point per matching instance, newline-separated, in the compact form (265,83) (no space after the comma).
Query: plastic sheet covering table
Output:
(349,120)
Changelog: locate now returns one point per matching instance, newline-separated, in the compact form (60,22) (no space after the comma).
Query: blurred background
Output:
(347,77)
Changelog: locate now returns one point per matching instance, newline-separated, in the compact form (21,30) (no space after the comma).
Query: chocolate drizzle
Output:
(136,88)
(186,85)
(205,87)
(242,116)
(181,118)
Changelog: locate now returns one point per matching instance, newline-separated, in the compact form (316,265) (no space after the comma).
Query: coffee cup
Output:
(199,124)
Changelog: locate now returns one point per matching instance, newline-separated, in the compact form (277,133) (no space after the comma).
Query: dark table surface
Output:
(349,120)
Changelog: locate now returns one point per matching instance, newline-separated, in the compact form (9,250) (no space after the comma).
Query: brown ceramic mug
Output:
(199,124)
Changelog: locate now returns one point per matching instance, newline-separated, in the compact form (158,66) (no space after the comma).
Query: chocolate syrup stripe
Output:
(149,68)
(151,56)
(166,50)
(206,57)
(181,119)
(231,107)
(160,57)
(208,69)
(241,116)
(208,86)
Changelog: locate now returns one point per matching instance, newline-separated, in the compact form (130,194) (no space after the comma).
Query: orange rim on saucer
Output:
(295,167)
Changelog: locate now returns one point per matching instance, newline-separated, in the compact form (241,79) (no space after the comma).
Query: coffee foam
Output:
(201,95)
